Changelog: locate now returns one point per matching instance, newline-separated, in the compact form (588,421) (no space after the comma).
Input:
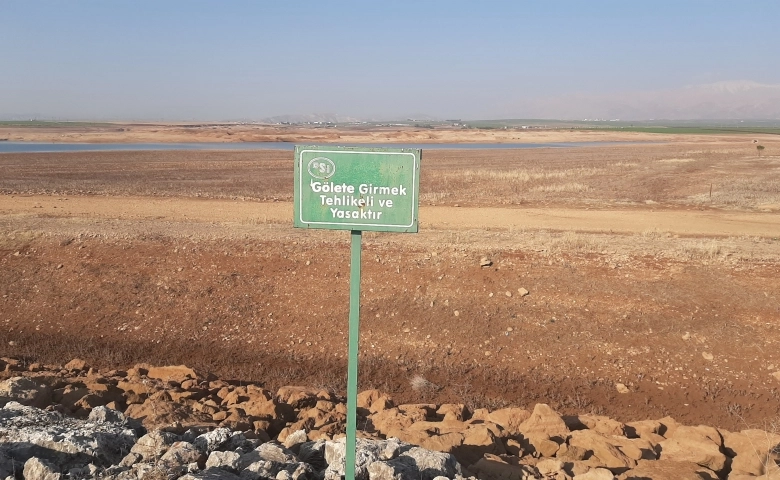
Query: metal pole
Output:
(352,366)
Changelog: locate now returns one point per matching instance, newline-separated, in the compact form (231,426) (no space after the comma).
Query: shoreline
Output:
(163,133)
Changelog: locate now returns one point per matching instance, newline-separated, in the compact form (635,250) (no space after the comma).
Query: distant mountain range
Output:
(722,100)
(743,99)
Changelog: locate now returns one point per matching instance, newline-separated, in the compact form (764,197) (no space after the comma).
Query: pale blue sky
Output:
(218,60)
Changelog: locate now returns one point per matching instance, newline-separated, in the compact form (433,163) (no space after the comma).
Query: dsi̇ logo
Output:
(322,168)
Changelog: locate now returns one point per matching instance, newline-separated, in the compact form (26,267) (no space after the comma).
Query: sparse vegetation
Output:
(420,384)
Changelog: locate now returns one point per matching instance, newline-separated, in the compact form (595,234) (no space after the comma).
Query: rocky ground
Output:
(173,422)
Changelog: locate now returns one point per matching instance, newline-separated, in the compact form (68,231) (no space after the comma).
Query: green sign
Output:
(354,188)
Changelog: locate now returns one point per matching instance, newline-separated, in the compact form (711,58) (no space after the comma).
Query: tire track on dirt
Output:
(684,222)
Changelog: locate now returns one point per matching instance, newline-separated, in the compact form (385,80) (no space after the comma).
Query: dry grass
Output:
(745,193)
(420,384)
(700,249)
(587,176)
(654,233)
(677,160)
(561,188)
(571,242)
(17,240)
(262,175)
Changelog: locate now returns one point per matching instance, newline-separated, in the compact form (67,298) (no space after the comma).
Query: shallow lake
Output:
(33,147)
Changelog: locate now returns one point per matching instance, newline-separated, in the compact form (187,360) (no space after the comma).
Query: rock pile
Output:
(174,420)
(42,445)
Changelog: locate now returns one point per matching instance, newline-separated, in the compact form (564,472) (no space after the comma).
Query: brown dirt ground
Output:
(174,257)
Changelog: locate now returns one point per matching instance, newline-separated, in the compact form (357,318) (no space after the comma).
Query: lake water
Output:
(32,147)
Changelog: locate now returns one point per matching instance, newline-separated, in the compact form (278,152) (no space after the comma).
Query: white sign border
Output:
(356,152)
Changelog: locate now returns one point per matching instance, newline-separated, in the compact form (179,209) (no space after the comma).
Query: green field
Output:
(698,127)
(692,130)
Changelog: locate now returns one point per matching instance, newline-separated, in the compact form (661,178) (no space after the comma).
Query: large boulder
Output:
(700,445)
(173,373)
(212,473)
(597,423)
(225,460)
(297,397)
(63,441)
(544,421)
(605,449)
(478,441)
(367,453)
(37,469)
(540,445)
(415,463)
(752,451)
(389,459)
(647,429)
(367,398)
(668,470)
(153,445)
(494,468)
(182,453)
(393,422)
(510,419)
(213,440)
(266,409)
(267,452)
(157,413)
(25,391)
(262,470)
(595,474)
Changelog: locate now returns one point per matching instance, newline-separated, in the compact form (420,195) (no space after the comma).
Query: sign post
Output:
(356,189)
(354,341)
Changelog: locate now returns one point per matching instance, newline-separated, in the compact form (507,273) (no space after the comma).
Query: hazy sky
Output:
(218,60)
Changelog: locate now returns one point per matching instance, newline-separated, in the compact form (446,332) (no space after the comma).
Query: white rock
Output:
(267,452)
(180,454)
(213,440)
(25,391)
(211,474)
(296,438)
(429,461)
(154,444)
(224,460)
(66,442)
(37,469)
(367,453)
